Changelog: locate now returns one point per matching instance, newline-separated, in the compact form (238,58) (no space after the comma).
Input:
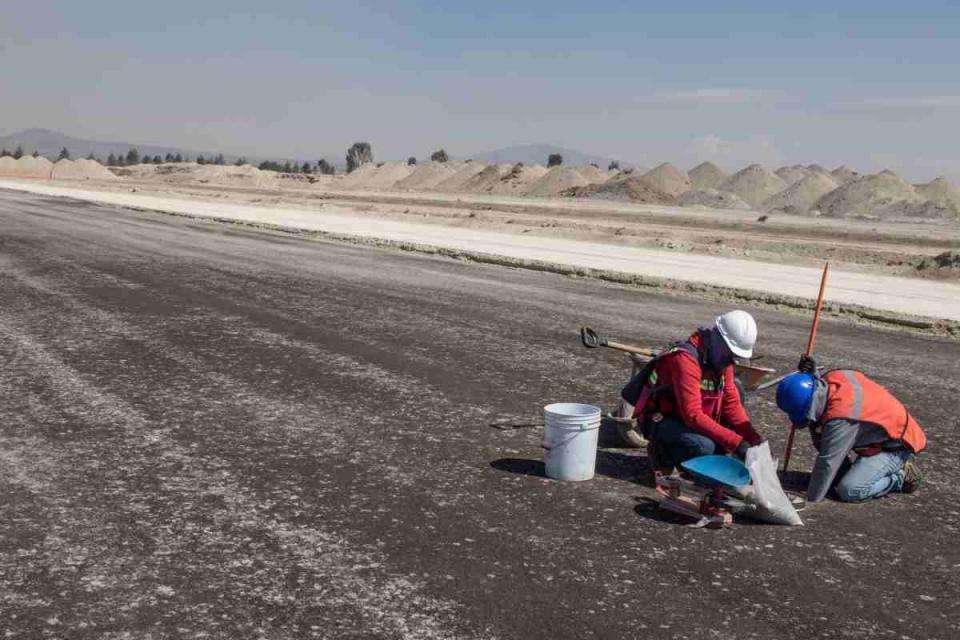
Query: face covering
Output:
(719,356)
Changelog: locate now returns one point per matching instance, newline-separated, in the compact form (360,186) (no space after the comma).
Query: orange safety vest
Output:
(853,396)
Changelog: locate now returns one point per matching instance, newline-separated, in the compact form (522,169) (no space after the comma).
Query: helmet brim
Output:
(738,351)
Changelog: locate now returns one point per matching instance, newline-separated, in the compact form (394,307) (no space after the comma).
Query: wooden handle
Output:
(811,342)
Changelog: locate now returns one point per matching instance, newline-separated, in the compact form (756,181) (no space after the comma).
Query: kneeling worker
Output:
(687,403)
(847,411)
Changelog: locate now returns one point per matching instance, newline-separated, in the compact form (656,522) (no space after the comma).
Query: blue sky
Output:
(871,84)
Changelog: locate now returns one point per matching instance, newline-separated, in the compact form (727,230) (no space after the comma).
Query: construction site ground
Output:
(213,431)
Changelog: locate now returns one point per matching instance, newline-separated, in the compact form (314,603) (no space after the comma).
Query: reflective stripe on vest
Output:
(853,396)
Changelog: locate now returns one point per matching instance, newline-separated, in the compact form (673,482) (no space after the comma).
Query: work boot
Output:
(657,467)
(911,477)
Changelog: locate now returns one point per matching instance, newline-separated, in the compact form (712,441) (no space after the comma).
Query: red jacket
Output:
(692,395)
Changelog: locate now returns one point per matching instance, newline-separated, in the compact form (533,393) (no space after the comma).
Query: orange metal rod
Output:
(811,342)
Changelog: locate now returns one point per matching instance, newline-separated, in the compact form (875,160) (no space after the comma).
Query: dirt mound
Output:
(555,181)
(627,189)
(7,166)
(518,179)
(467,172)
(26,167)
(844,174)
(426,176)
(800,196)
(793,173)
(355,178)
(594,174)
(384,177)
(942,192)
(706,175)
(81,169)
(753,184)
(881,195)
(712,199)
(485,180)
(668,179)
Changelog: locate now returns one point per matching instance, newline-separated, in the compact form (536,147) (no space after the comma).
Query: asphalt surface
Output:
(209,431)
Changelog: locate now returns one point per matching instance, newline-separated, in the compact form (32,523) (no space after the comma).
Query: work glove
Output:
(741,450)
(807,365)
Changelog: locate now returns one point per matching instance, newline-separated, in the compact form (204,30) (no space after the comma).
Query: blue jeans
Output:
(873,476)
(678,443)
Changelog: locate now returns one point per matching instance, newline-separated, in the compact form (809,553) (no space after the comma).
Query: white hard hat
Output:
(739,330)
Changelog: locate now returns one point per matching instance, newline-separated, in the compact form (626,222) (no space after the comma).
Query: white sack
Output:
(766,496)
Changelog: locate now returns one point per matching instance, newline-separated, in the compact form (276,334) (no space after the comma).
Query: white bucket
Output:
(570,440)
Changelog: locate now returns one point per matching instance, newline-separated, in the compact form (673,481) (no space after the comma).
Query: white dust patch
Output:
(754,184)
(800,197)
(706,175)
(354,575)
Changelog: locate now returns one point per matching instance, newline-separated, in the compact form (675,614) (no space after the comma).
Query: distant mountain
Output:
(538,153)
(49,143)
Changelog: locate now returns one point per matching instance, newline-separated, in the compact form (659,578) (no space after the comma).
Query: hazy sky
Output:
(869,83)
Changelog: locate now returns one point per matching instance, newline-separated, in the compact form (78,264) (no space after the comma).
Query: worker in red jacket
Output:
(687,403)
(848,413)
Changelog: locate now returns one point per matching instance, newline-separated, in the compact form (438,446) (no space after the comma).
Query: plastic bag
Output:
(766,498)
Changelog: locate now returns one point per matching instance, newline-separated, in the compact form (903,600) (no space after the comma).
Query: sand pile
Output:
(26,167)
(625,188)
(426,176)
(7,166)
(793,173)
(800,196)
(486,179)
(753,184)
(594,174)
(355,178)
(668,179)
(706,175)
(384,176)
(712,199)
(844,174)
(455,182)
(880,195)
(518,179)
(229,175)
(555,181)
(81,169)
(941,192)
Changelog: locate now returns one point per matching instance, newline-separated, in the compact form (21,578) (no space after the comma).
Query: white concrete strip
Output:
(901,295)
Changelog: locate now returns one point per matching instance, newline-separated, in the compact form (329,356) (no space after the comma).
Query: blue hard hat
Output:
(795,394)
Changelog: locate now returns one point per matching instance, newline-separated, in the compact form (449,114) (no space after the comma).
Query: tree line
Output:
(359,154)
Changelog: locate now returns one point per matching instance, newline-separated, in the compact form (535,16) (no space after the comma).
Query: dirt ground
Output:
(207,431)
(888,248)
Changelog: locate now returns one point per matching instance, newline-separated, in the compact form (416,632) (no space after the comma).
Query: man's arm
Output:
(685,378)
(733,412)
(836,442)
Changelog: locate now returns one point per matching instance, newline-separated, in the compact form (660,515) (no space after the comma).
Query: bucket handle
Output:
(580,430)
